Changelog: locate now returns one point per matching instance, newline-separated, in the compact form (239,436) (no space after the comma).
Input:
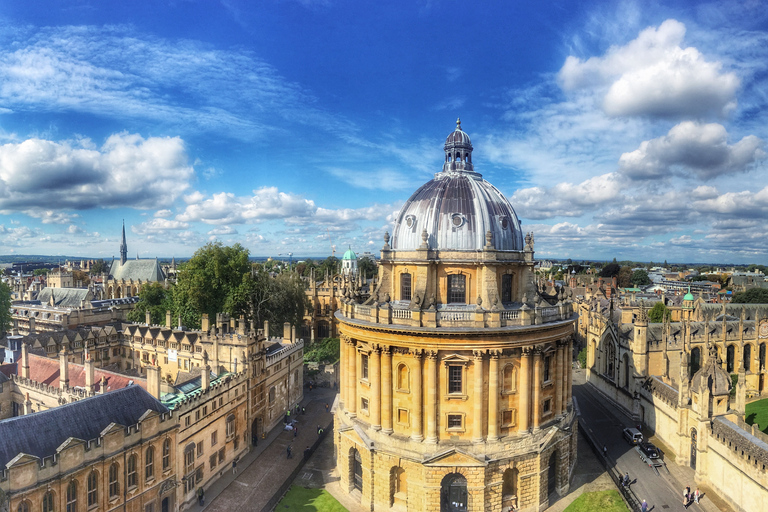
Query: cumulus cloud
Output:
(51,216)
(653,75)
(158,225)
(265,203)
(127,170)
(163,214)
(223,230)
(690,147)
(566,199)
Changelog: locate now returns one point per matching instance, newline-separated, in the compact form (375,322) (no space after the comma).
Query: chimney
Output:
(28,405)
(31,325)
(63,369)
(179,321)
(216,354)
(287,331)
(205,323)
(148,317)
(153,381)
(89,371)
(205,383)
(241,325)
(24,361)
(266,328)
(168,319)
(293,333)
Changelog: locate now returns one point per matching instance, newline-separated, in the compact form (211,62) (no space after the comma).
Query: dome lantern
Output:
(458,151)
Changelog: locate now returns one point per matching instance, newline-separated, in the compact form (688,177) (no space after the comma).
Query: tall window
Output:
(510,378)
(506,288)
(405,286)
(132,471)
(547,364)
(454,379)
(364,365)
(149,463)
(402,377)
(729,357)
(747,358)
(23,507)
(114,484)
(231,425)
(189,458)
(72,496)
(762,356)
(48,502)
(166,454)
(457,289)
(93,489)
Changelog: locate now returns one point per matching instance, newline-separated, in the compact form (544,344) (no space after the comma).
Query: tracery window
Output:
(72,496)
(149,463)
(93,489)
(114,484)
(23,506)
(48,502)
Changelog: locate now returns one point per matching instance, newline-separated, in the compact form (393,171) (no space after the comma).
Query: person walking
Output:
(307,453)
(326,406)
(288,450)
(295,430)
(234,467)
(696,496)
(644,506)
(605,451)
(625,482)
(303,411)
(200,496)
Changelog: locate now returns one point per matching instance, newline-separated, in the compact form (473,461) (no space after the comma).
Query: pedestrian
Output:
(288,450)
(626,480)
(295,431)
(234,466)
(605,451)
(696,495)
(303,411)
(307,453)
(326,407)
(200,496)
(686,494)
(644,506)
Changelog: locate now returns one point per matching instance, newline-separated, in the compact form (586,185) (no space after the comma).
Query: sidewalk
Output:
(255,484)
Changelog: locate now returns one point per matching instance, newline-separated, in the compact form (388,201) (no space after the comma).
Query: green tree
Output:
(5,308)
(155,299)
(583,357)
(624,277)
(81,277)
(330,265)
(41,271)
(658,313)
(367,266)
(324,351)
(640,278)
(99,267)
(751,296)
(611,269)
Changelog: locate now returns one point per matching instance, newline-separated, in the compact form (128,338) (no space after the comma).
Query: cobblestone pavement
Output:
(263,471)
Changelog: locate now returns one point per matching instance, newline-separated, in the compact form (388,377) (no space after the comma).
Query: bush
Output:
(583,357)
(324,351)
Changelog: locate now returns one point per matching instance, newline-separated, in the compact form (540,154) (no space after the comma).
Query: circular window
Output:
(457,220)
(504,223)
(409,221)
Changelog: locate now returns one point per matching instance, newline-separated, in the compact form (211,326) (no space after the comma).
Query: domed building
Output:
(349,263)
(455,373)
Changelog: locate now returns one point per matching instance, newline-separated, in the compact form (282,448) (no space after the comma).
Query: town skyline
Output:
(635,131)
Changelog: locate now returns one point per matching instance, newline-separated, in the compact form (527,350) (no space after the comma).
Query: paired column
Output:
(559,379)
(386,389)
(416,429)
(353,379)
(375,407)
(431,412)
(477,425)
(569,372)
(343,381)
(493,396)
(525,390)
(536,388)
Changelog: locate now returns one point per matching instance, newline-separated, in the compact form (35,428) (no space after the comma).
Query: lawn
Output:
(757,412)
(604,501)
(309,500)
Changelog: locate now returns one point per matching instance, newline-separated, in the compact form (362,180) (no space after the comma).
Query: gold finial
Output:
(458,124)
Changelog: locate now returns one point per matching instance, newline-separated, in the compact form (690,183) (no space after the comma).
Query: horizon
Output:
(621,131)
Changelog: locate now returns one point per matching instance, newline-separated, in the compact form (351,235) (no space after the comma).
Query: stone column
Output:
(536,388)
(525,390)
(431,412)
(376,385)
(416,413)
(569,373)
(477,423)
(343,368)
(559,379)
(493,396)
(353,379)
(386,389)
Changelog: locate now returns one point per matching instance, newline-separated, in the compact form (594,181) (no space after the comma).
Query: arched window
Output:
(189,458)
(48,502)
(626,371)
(166,454)
(695,361)
(610,361)
(72,496)
(131,471)
(399,486)
(23,506)
(114,483)
(272,395)
(509,489)
(405,286)
(403,383)
(506,288)
(747,358)
(93,489)
(453,493)
(729,358)
(762,356)
(510,378)
(149,463)
(230,425)
(457,289)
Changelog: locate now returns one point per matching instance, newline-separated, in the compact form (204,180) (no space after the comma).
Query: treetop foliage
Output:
(658,313)
(6,320)
(751,296)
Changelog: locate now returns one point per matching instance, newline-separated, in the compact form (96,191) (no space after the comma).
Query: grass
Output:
(757,412)
(604,501)
(309,500)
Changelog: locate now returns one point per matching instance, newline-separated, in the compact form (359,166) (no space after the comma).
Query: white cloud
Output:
(163,214)
(158,226)
(653,75)
(51,216)
(566,199)
(223,230)
(690,147)
(265,203)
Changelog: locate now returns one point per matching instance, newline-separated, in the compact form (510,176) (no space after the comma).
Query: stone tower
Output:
(123,248)
(456,373)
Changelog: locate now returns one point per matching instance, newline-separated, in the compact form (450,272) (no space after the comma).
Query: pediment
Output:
(112,427)
(70,442)
(21,459)
(455,457)
(456,359)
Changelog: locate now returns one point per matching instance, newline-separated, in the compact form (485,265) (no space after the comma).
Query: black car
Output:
(649,450)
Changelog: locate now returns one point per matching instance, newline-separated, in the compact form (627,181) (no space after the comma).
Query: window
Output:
(200,449)
(166,454)
(454,421)
(212,461)
(510,379)
(230,425)
(457,289)
(402,416)
(132,471)
(454,379)
(149,463)
(547,405)
(506,288)
(72,496)
(93,489)
(214,437)
(205,410)
(189,458)
(509,418)
(114,485)
(364,366)
(402,377)
(149,507)
(272,395)
(364,404)
(48,502)
(23,506)
(405,286)
(199,473)
(222,453)
(186,421)
(747,358)
(547,365)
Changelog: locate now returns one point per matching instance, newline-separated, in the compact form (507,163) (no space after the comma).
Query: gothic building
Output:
(456,381)
(126,277)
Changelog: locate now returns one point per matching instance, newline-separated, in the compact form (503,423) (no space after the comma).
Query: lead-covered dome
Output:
(457,208)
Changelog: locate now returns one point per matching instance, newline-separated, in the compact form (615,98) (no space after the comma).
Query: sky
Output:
(633,130)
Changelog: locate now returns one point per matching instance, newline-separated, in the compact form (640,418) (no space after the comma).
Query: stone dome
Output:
(457,208)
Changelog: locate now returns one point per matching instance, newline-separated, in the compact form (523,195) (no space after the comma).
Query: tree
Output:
(367,267)
(41,271)
(99,267)
(81,277)
(640,278)
(624,277)
(155,299)
(330,265)
(751,296)
(610,270)
(658,313)
(6,320)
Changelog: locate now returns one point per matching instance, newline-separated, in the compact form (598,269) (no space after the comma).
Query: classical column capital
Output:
(494,354)
(376,348)
(478,354)
(431,355)
(386,350)
(417,353)
(527,351)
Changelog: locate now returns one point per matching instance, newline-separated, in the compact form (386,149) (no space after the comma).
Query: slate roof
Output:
(45,370)
(65,297)
(41,433)
(146,270)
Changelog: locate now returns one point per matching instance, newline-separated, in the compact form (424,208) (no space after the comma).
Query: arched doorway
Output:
(255,431)
(356,467)
(693,448)
(509,489)
(695,362)
(453,493)
(165,505)
(552,473)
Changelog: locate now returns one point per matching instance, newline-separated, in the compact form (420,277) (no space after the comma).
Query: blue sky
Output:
(627,130)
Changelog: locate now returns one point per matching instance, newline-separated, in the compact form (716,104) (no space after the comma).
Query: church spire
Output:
(123,248)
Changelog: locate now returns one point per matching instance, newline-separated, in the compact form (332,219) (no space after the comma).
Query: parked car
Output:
(633,436)
(650,450)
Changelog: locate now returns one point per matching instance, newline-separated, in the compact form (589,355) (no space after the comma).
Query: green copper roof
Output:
(689,295)
(349,255)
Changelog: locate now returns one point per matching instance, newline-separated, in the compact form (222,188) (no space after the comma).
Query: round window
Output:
(457,219)
(409,220)
(504,223)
